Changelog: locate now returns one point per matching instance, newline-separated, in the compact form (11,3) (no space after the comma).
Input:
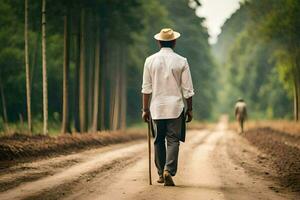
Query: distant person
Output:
(241,113)
(167,79)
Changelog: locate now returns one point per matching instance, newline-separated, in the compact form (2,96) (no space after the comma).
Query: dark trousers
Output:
(167,131)
(241,122)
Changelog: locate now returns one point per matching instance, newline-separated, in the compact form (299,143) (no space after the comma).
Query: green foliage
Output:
(130,23)
(252,60)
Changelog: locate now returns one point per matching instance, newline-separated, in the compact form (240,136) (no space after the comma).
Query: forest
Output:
(76,66)
(258,56)
(72,123)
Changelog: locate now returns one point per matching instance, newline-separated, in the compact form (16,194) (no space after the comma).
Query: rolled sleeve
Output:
(147,81)
(186,82)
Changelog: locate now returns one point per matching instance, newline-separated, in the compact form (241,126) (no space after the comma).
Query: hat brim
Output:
(176,35)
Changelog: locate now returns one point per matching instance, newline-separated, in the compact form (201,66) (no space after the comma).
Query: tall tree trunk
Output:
(76,76)
(103,74)
(119,87)
(295,103)
(92,50)
(45,91)
(296,72)
(124,90)
(66,68)
(96,81)
(298,98)
(90,75)
(297,52)
(102,97)
(82,112)
(112,75)
(116,102)
(108,89)
(4,110)
(28,95)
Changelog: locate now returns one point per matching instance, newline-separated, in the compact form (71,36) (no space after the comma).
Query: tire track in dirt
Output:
(132,183)
(133,176)
(31,172)
(70,174)
(67,188)
(18,177)
(20,173)
(205,172)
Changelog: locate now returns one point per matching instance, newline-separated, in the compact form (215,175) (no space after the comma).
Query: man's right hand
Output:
(189,116)
(146,116)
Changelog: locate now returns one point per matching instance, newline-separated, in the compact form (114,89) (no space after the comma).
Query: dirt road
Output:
(206,171)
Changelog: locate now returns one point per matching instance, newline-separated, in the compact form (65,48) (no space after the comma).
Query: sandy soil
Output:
(209,168)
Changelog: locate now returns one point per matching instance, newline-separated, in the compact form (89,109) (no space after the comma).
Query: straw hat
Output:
(240,99)
(167,34)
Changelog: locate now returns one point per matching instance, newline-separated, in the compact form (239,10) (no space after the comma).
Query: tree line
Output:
(258,54)
(80,62)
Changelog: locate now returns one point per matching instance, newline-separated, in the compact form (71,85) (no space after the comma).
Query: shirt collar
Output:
(166,49)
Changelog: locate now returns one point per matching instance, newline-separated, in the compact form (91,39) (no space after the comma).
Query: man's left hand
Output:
(146,116)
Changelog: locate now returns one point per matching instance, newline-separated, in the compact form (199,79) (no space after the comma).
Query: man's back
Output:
(166,80)
(167,77)
(240,110)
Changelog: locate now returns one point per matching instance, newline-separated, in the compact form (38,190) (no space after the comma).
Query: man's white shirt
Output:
(168,78)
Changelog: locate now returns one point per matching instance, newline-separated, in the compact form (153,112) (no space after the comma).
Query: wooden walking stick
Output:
(149,151)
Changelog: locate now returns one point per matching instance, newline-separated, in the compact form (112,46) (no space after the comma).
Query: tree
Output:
(282,25)
(123,90)
(278,22)
(45,90)
(82,104)
(3,102)
(96,81)
(28,92)
(77,38)
(248,63)
(66,68)
(102,66)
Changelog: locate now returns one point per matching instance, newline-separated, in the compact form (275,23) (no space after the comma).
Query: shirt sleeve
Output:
(147,81)
(186,82)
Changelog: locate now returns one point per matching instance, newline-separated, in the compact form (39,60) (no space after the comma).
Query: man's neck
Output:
(166,48)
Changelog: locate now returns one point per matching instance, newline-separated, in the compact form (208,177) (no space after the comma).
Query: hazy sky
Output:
(216,12)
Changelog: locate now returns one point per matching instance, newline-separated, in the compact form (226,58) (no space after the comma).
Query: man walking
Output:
(167,80)
(240,113)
